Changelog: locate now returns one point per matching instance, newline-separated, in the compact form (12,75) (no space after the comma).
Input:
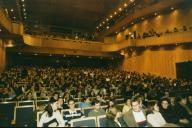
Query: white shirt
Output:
(56,115)
(139,116)
(156,119)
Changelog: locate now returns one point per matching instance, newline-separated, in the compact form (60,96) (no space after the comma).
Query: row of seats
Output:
(13,113)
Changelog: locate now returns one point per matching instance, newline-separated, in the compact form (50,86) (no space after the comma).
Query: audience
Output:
(62,85)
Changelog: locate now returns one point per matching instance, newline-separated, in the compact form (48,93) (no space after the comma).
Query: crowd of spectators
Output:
(149,100)
(154,33)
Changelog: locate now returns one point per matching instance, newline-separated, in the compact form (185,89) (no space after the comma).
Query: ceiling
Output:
(60,15)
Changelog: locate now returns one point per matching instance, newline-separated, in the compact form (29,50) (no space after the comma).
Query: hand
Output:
(184,121)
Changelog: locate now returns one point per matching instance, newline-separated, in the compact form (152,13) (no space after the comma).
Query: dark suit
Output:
(112,123)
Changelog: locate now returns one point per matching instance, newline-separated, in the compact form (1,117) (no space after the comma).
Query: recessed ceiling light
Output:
(64,55)
(14,17)
(132,23)
(100,25)
(35,54)
(0,30)
(125,5)
(107,19)
(19,53)
(172,8)
(24,9)
(23,5)
(25,17)
(142,18)
(115,13)
(120,9)
(103,22)
(107,27)
(131,0)
(23,0)
(111,16)
(12,10)
(50,54)
(77,56)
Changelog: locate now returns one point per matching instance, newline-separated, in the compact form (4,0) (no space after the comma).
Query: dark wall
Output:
(184,70)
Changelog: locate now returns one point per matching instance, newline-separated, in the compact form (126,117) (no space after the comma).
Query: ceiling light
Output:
(132,23)
(12,10)
(35,54)
(23,0)
(125,5)
(0,30)
(131,0)
(19,53)
(23,5)
(24,9)
(14,17)
(142,18)
(77,56)
(25,17)
(103,22)
(107,27)
(100,25)
(24,14)
(50,55)
(107,19)
(97,27)
(120,9)
(172,8)
(111,16)
(64,55)
(115,13)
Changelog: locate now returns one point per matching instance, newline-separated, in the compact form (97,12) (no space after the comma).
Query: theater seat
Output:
(25,103)
(84,122)
(101,121)
(6,113)
(24,116)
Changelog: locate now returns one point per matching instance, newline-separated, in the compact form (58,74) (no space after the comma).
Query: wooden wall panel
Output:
(2,56)
(160,61)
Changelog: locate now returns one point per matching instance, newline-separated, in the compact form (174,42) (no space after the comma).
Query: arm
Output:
(152,121)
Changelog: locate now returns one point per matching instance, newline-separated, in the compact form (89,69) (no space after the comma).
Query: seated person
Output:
(111,103)
(136,116)
(54,98)
(127,106)
(183,111)
(98,111)
(51,118)
(114,118)
(154,117)
(101,100)
(85,103)
(58,105)
(169,114)
(72,113)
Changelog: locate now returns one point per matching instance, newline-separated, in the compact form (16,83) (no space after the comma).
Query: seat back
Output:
(84,122)
(24,116)
(6,113)
(101,121)
(119,101)
(41,103)
(26,103)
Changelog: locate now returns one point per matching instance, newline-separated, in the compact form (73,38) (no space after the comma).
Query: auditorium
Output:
(95,63)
